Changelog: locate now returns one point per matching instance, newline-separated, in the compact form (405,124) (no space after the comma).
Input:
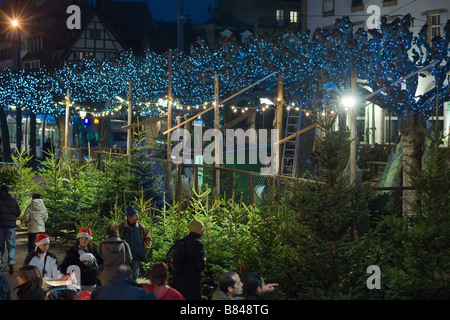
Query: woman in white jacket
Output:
(35,216)
(43,259)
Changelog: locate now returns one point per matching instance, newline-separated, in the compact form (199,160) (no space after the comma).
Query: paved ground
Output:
(21,252)
(58,248)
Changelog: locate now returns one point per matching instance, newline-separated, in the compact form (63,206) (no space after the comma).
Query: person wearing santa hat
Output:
(84,255)
(43,259)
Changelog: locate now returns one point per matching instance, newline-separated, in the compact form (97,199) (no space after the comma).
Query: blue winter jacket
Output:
(122,287)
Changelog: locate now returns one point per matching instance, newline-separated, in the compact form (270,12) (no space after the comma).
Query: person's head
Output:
(42,243)
(36,196)
(132,214)
(4,189)
(253,284)
(29,274)
(230,284)
(159,274)
(112,230)
(124,269)
(84,237)
(196,226)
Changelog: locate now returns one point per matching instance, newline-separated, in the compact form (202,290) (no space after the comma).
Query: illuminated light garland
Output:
(379,57)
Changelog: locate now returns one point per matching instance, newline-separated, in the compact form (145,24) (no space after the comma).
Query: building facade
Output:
(41,38)
(245,18)
(46,39)
(374,123)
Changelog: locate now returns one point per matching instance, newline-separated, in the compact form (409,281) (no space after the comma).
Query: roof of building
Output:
(131,21)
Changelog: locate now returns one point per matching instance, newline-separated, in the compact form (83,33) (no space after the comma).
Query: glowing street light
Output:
(348,101)
(265,101)
(17,66)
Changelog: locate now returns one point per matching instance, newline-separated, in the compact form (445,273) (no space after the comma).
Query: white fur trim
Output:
(43,241)
(84,234)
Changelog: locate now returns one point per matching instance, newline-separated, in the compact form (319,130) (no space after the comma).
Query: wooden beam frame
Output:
(296,134)
(223,101)
(237,120)
(153,120)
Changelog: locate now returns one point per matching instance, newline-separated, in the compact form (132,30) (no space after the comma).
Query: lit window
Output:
(435,25)
(280,15)
(293,17)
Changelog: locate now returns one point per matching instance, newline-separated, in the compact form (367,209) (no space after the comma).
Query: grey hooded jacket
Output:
(35,216)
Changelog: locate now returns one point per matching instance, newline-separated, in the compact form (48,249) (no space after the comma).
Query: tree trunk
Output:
(5,136)
(412,137)
(60,120)
(32,140)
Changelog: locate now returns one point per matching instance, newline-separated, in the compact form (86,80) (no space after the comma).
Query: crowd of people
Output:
(109,271)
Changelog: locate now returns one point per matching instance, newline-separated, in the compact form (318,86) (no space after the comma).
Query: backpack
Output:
(175,256)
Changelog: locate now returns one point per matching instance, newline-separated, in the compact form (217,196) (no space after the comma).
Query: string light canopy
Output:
(316,70)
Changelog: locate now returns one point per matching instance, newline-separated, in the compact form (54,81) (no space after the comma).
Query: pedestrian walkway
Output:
(21,252)
(56,247)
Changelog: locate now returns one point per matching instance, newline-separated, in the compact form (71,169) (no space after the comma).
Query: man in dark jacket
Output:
(9,212)
(122,287)
(138,238)
(188,280)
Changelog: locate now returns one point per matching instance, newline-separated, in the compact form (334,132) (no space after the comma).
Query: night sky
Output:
(167,10)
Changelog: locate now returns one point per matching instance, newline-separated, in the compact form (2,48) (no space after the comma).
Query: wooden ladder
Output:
(290,149)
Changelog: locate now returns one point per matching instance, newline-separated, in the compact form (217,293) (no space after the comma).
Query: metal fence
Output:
(181,182)
(184,181)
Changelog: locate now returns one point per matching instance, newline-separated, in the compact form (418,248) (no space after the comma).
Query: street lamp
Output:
(16,48)
(349,101)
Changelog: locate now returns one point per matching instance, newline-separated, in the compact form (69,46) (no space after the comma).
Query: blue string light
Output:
(380,57)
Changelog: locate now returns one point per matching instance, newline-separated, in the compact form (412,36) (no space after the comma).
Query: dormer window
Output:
(435,25)
(293,16)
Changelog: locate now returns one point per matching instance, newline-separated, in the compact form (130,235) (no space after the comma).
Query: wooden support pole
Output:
(67,130)
(217,151)
(130,119)
(353,148)
(280,119)
(179,195)
(169,110)
(251,189)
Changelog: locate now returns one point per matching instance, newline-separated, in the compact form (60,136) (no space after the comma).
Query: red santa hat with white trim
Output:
(41,238)
(85,232)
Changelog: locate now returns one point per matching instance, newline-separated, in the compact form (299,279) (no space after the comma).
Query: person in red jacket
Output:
(159,276)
